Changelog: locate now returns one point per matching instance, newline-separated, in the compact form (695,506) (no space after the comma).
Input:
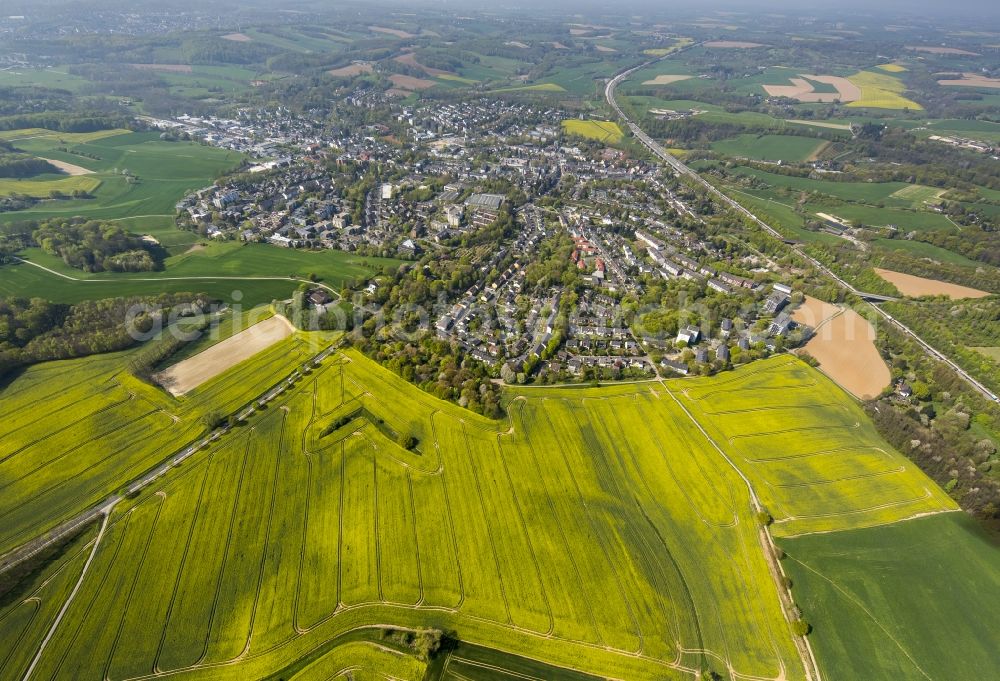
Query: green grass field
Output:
(41,186)
(602,131)
(770,147)
(219,269)
(593,531)
(914,600)
(165,172)
(919,249)
(993,353)
(918,194)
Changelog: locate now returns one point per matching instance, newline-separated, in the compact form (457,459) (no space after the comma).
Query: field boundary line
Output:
(36,605)
(808,660)
(135,580)
(527,535)
(225,550)
(489,527)
(109,570)
(581,500)
(69,600)
(915,516)
(659,535)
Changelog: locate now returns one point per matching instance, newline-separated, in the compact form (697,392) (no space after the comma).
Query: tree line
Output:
(36,330)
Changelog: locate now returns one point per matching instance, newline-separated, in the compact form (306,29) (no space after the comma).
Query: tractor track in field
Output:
(489,529)
(562,530)
(808,659)
(527,536)
(69,600)
(131,592)
(609,564)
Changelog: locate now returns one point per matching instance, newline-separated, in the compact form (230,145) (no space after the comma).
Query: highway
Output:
(681,169)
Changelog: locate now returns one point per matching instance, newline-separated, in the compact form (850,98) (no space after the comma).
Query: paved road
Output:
(681,169)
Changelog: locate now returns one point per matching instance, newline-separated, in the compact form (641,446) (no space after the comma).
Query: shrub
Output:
(801,628)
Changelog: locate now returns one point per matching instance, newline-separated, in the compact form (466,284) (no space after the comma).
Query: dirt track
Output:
(187,375)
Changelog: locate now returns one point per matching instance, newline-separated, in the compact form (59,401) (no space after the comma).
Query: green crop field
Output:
(771,147)
(918,194)
(914,600)
(164,172)
(42,186)
(602,531)
(920,249)
(259,272)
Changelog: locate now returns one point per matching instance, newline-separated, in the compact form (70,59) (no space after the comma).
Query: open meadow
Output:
(259,273)
(161,174)
(897,602)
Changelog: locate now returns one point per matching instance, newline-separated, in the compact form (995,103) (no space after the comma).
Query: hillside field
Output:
(164,172)
(771,147)
(259,272)
(74,431)
(602,131)
(284,547)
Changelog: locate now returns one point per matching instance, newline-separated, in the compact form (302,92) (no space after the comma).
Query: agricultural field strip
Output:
(855,446)
(611,431)
(192,408)
(871,616)
(802,645)
(71,597)
(94,280)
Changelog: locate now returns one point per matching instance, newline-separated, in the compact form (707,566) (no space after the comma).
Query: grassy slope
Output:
(166,171)
(769,147)
(225,259)
(918,599)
